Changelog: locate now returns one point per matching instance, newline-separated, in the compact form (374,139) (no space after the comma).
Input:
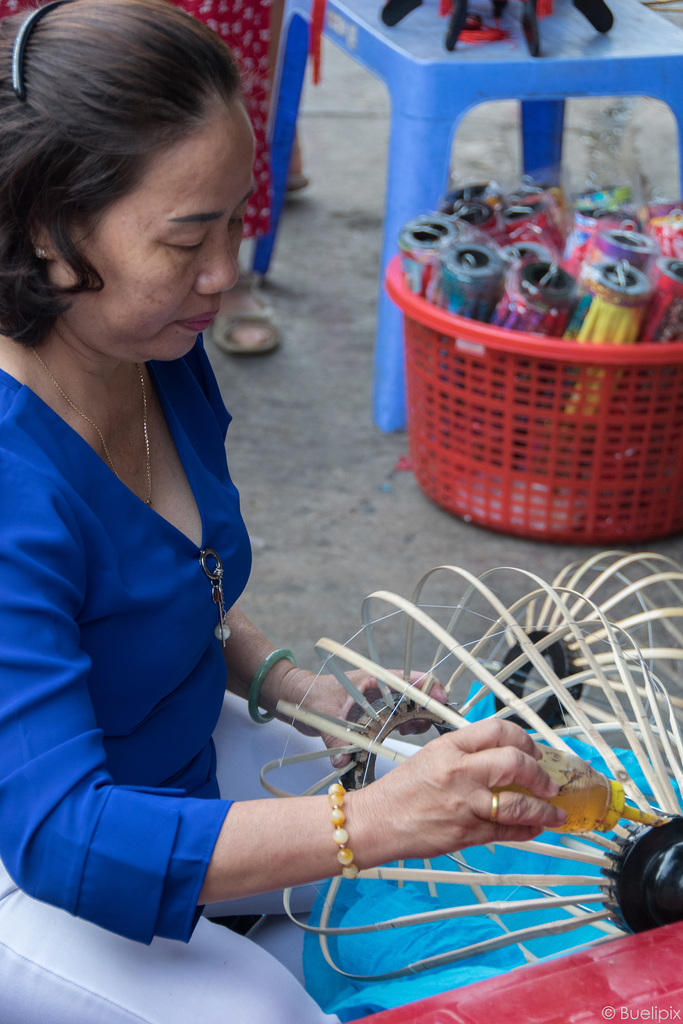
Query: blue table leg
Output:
(542,126)
(417,175)
(293,68)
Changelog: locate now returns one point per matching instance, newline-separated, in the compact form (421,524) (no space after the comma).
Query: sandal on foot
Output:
(297,181)
(246,332)
(245,335)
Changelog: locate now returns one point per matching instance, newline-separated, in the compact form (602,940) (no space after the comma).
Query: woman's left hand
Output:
(327,696)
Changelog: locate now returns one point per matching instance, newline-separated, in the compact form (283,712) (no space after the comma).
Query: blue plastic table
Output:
(430,91)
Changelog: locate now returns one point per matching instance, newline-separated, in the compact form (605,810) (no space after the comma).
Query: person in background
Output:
(245,324)
(134,693)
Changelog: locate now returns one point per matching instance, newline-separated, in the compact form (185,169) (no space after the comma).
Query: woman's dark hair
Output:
(108,84)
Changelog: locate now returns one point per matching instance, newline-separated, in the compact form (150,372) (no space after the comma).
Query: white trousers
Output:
(57,969)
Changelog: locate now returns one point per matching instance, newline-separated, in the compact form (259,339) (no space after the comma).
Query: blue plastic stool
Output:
(431,90)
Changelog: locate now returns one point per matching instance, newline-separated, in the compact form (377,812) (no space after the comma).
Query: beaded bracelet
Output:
(258,680)
(335,795)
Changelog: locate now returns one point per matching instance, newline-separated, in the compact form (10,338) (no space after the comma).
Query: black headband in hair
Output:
(20,45)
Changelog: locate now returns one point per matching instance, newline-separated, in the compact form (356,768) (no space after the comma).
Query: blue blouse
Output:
(111,678)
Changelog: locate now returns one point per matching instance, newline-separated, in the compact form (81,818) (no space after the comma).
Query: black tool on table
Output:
(595,11)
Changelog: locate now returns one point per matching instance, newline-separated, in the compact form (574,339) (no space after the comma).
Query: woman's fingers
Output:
(422,725)
(500,756)
(495,732)
(347,708)
(504,755)
(473,761)
(503,767)
(454,792)
(511,809)
(453,779)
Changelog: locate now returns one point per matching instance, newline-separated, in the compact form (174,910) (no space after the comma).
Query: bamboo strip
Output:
(550,850)
(487,946)
(286,762)
(394,682)
(652,767)
(655,778)
(540,663)
(352,690)
(486,909)
(448,641)
(388,872)
(481,898)
(577,911)
(616,568)
(338,729)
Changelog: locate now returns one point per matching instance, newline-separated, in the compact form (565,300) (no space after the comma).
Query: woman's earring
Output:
(41,254)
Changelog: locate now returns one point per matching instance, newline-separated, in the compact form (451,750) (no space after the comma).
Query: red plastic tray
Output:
(637,978)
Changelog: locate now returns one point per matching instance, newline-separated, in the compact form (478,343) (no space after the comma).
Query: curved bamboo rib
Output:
(486,909)
(476,949)
(481,898)
(389,873)
(318,755)
(619,618)
(394,682)
(530,653)
(561,852)
(338,729)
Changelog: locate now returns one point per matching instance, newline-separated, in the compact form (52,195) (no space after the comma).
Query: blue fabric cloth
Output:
(376,952)
(111,678)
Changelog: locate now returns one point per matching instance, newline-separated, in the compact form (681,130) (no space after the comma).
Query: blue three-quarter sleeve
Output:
(111,679)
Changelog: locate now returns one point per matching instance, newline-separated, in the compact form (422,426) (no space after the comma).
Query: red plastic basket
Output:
(539,437)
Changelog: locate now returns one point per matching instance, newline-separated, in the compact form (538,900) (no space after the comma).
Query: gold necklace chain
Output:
(145,430)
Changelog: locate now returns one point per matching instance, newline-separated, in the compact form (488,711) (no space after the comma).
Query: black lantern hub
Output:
(557,654)
(647,877)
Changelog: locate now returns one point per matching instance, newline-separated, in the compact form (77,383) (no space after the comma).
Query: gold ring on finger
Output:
(494,807)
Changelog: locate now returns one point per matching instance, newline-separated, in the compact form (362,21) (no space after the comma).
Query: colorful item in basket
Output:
(613,197)
(553,200)
(618,301)
(612,309)
(471,280)
(552,193)
(666,227)
(533,219)
(617,245)
(512,254)
(481,216)
(537,299)
(482,193)
(421,242)
(660,208)
(586,225)
(665,315)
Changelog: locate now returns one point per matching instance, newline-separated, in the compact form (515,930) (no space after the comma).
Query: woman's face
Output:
(166,250)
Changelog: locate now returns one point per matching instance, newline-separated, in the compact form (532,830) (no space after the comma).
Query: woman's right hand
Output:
(437,801)
(440,799)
